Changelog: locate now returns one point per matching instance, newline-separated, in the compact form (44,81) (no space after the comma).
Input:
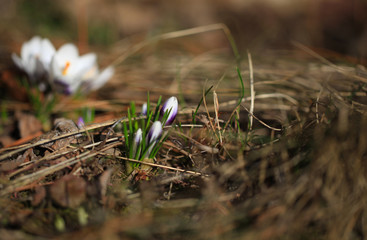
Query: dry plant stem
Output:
(317,106)
(206,109)
(187,154)
(170,188)
(207,112)
(216,110)
(157,165)
(260,96)
(266,125)
(201,146)
(251,89)
(178,34)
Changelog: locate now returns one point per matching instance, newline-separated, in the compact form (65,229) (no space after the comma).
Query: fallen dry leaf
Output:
(27,124)
(39,195)
(69,191)
(12,164)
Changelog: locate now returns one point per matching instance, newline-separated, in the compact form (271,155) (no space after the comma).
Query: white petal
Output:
(47,52)
(67,52)
(82,65)
(91,74)
(17,60)
(55,67)
(30,48)
(30,66)
(155,132)
(102,78)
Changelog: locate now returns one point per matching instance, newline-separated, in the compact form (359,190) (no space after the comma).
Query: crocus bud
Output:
(155,132)
(138,137)
(144,109)
(81,123)
(171,106)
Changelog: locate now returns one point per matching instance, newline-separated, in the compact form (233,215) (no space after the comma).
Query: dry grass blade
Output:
(216,110)
(158,165)
(178,34)
(327,62)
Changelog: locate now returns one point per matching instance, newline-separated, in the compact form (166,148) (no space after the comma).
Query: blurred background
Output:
(111,27)
(334,25)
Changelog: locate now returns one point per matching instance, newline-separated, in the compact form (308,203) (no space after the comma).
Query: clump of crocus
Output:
(145,141)
(64,70)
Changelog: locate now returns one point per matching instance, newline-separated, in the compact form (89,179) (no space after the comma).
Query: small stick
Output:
(317,105)
(252,90)
(216,110)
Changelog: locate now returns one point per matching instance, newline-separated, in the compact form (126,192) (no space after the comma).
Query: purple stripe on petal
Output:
(155,132)
(171,106)
(138,136)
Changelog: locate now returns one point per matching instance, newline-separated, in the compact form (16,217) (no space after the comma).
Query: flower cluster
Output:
(147,145)
(63,70)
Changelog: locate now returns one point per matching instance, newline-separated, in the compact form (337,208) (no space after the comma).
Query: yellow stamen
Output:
(65,71)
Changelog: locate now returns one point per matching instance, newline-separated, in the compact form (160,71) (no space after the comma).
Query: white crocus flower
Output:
(35,57)
(68,68)
(93,79)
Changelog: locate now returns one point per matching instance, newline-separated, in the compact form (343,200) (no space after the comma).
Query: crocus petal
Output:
(47,52)
(81,123)
(82,65)
(155,132)
(102,78)
(30,48)
(67,52)
(171,106)
(17,60)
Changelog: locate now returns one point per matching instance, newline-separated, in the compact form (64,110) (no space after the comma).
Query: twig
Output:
(252,89)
